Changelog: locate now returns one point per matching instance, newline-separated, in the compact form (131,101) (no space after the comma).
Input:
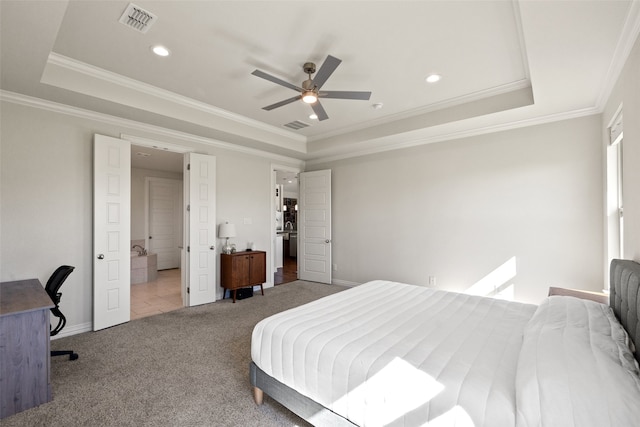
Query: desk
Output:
(24,346)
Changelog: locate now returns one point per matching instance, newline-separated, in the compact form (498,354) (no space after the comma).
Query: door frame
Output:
(178,149)
(271,270)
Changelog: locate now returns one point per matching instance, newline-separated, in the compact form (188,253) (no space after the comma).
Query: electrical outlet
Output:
(248,221)
(432,281)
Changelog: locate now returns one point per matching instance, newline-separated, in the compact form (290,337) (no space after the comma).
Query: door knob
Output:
(100,256)
(212,247)
(327,241)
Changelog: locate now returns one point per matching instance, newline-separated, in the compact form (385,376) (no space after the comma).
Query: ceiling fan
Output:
(310,91)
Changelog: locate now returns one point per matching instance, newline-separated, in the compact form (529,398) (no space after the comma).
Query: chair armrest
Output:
(577,293)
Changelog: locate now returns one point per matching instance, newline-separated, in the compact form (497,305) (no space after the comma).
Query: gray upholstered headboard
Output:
(624,297)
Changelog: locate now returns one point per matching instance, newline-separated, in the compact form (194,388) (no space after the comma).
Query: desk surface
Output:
(22,296)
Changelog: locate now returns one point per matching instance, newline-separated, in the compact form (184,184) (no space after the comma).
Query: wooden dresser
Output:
(242,270)
(24,346)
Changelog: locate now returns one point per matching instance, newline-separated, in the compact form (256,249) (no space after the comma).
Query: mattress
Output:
(387,353)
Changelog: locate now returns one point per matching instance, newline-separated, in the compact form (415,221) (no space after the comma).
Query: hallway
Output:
(288,273)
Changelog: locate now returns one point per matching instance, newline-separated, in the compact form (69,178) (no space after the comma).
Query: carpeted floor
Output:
(189,367)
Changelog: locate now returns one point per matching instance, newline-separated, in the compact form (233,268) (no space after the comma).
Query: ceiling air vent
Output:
(297,125)
(137,18)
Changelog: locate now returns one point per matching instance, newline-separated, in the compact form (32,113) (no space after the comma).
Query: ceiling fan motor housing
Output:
(309,67)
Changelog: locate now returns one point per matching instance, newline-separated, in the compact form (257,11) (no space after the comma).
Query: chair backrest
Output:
(53,284)
(56,280)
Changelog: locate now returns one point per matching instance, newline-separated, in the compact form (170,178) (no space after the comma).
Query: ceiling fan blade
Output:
(328,67)
(281,103)
(319,110)
(345,94)
(276,80)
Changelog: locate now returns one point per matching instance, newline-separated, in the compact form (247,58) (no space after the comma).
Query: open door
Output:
(200,233)
(314,226)
(111,232)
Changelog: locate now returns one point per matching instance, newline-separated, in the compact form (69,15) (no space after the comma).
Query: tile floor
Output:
(163,294)
(158,296)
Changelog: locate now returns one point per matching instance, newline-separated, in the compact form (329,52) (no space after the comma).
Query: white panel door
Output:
(201,222)
(314,226)
(111,232)
(164,221)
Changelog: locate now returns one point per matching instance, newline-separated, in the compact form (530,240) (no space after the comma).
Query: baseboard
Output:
(344,283)
(74,330)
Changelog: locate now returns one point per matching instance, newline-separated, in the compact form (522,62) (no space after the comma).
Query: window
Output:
(615,218)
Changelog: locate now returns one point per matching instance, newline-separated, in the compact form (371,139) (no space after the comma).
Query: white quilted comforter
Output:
(386,353)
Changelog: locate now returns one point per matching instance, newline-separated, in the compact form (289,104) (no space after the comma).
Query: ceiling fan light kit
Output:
(310,90)
(309,97)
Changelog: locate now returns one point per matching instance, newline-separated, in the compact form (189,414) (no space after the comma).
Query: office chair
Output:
(53,285)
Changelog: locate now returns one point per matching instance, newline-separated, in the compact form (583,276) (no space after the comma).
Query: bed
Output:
(386,353)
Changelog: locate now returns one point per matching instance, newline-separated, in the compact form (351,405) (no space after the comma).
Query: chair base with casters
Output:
(53,285)
(71,353)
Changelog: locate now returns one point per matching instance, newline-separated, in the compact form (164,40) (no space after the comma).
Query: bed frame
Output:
(624,300)
(299,404)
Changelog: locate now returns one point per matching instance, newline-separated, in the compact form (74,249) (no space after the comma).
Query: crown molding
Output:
(408,143)
(448,103)
(29,101)
(628,36)
(317,158)
(72,66)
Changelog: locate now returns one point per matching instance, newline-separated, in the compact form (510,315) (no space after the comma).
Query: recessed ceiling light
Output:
(377,105)
(432,78)
(313,117)
(160,50)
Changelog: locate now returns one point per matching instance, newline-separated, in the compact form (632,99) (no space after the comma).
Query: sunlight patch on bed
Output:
(455,416)
(395,390)
(495,284)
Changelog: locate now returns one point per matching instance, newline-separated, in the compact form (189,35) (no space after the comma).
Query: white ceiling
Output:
(504,63)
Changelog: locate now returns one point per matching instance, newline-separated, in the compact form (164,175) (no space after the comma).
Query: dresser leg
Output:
(234,296)
(261,289)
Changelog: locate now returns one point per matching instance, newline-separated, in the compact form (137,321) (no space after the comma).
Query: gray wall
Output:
(461,210)
(457,211)
(46,185)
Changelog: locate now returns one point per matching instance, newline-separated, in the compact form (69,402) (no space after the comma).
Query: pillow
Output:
(575,368)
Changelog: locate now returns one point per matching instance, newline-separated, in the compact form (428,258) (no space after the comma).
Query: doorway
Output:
(156,211)
(285,198)
(113,223)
